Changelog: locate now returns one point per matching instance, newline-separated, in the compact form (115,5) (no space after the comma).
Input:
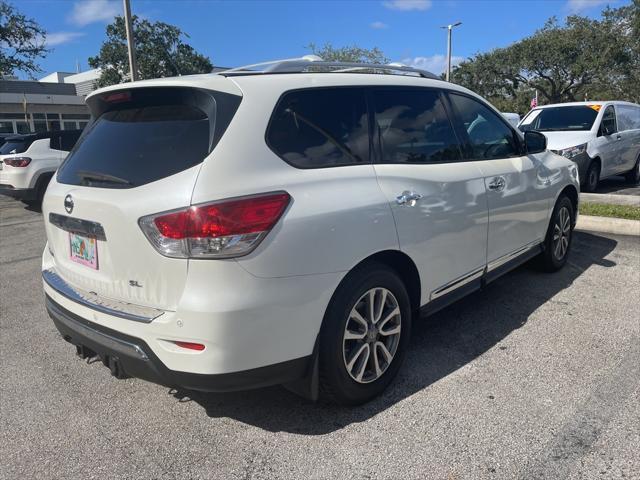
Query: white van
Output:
(602,138)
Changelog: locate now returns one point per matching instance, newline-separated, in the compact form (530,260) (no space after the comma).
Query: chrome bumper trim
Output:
(92,300)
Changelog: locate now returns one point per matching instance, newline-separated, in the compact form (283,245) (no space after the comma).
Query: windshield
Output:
(573,118)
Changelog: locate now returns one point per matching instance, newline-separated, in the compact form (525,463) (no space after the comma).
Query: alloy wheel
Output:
(371,335)
(561,233)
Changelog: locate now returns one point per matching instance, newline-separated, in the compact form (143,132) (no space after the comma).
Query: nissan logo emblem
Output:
(68,203)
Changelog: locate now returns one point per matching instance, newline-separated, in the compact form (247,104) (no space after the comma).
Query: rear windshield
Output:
(15,146)
(551,119)
(143,139)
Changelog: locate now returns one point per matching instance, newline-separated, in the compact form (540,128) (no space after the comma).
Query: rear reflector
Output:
(225,229)
(190,346)
(17,161)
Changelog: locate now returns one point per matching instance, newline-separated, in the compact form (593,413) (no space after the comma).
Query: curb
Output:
(611,199)
(617,226)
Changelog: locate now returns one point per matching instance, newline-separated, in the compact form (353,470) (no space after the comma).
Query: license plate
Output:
(84,250)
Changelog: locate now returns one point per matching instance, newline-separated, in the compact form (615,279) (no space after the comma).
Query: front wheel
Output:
(593,178)
(558,240)
(364,336)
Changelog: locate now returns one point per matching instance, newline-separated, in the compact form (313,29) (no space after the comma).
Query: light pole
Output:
(449,28)
(133,66)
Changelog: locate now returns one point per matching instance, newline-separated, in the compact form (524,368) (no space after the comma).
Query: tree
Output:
(22,42)
(160,52)
(623,25)
(348,54)
(584,58)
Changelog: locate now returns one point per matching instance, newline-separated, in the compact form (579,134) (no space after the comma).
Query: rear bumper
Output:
(17,178)
(130,356)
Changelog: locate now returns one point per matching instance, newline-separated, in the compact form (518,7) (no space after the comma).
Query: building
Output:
(55,102)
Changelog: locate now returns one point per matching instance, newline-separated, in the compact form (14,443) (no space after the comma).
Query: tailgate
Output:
(128,269)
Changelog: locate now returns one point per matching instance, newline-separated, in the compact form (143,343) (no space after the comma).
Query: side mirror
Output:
(534,142)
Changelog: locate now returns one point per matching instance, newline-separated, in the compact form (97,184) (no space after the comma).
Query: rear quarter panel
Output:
(337,217)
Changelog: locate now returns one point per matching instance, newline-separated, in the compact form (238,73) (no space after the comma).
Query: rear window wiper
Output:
(101,178)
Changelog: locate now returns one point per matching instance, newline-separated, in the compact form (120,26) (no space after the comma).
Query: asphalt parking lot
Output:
(538,376)
(617,185)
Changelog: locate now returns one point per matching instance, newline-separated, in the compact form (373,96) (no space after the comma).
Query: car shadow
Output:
(617,184)
(440,345)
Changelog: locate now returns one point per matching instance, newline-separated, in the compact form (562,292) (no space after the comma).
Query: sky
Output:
(240,32)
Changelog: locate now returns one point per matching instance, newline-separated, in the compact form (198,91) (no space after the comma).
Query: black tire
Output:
(337,385)
(553,259)
(40,189)
(592,178)
(633,175)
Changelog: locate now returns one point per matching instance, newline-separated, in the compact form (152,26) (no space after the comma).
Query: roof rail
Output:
(314,63)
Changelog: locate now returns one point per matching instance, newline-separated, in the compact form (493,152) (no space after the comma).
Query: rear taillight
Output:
(229,228)
(17,161)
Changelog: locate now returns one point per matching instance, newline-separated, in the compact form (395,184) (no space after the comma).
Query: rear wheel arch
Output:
(406,269)
(400,263)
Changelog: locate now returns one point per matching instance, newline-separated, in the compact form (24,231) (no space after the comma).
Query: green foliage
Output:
(583,59)
(348,54)
(22,42)
(160,52)
(628,212)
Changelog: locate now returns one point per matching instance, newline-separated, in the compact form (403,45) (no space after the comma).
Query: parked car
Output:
(602,138)
(27,162)
(249,228)
(512,118)
(4,136)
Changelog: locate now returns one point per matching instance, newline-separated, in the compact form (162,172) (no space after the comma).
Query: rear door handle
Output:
(497,184)
(408,198)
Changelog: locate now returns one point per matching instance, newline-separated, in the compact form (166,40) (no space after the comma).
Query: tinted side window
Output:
(608,125)
(628,117)
(412,126)
(488,135)
(321,128)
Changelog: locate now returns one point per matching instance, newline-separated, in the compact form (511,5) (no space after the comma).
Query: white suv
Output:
(602,138)
(27,162)
(279,226)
